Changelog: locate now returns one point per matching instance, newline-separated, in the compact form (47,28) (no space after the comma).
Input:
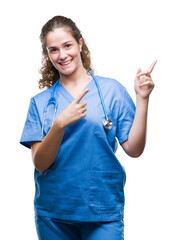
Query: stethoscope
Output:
(107,123)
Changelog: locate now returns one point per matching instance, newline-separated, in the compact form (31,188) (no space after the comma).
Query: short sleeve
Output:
(125,117)
(32,128)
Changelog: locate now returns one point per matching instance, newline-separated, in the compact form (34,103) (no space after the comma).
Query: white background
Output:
(122,36)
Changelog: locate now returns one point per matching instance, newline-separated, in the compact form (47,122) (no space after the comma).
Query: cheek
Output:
(53,57)
(75,53)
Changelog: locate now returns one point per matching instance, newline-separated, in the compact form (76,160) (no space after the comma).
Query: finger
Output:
(146,72)
(147,83)
(152,66)
(83,115)
(83,110)
(83,104)
(143,79)
(81,95)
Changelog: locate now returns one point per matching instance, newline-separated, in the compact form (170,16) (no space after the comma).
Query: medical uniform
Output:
(86,181)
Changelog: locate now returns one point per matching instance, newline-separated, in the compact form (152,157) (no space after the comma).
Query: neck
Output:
(80,75)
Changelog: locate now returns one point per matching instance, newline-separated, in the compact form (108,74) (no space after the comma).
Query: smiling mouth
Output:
(65,63)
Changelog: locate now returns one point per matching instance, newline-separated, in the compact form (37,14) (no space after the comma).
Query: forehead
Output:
(58,36)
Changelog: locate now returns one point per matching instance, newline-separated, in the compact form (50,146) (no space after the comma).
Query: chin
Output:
(67,72)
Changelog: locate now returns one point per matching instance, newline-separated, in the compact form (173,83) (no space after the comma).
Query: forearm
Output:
(137,136)
(47,150)
(45,153)
(143,85)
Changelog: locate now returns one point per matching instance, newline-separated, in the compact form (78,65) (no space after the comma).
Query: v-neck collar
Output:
(68,95)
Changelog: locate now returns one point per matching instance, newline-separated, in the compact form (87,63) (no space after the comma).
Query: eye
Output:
(68,45)
(53,50)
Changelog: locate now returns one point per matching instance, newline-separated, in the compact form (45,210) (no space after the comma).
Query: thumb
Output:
(139,70)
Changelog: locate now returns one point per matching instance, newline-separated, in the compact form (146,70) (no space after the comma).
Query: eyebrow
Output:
(62,44)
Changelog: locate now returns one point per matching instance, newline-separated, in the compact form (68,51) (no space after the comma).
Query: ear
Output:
(80,44)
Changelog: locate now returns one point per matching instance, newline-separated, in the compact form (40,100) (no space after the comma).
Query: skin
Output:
(143,85)
(62,48)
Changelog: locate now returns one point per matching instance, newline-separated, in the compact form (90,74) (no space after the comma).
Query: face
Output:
(63,51)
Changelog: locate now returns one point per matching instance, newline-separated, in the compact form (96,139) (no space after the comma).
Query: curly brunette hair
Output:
(49,73)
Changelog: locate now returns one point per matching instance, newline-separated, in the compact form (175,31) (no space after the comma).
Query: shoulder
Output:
(110,84)
(39,100)
(42,96)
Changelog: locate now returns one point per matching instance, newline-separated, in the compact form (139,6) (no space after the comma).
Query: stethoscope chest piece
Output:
(107,123)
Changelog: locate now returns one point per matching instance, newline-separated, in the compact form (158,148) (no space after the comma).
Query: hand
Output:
(143,82)
(74,111)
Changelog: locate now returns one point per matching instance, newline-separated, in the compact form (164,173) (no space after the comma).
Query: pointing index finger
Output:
(81,95)
(152,66)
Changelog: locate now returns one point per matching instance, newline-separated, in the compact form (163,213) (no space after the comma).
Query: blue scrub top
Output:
(86,181)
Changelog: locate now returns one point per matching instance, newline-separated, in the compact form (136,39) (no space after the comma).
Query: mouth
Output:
(65,63)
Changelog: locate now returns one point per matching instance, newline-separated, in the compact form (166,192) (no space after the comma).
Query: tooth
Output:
(66,62)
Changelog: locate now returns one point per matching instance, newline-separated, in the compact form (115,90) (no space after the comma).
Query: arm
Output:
(135,144)
(45,152)
(144,85)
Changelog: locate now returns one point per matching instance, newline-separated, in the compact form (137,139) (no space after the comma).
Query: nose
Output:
(62,55)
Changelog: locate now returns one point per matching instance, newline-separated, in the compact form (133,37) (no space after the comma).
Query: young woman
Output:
(72,128)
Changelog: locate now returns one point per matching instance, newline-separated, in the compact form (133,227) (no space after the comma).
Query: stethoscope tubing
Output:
(107,123)
(100,94)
